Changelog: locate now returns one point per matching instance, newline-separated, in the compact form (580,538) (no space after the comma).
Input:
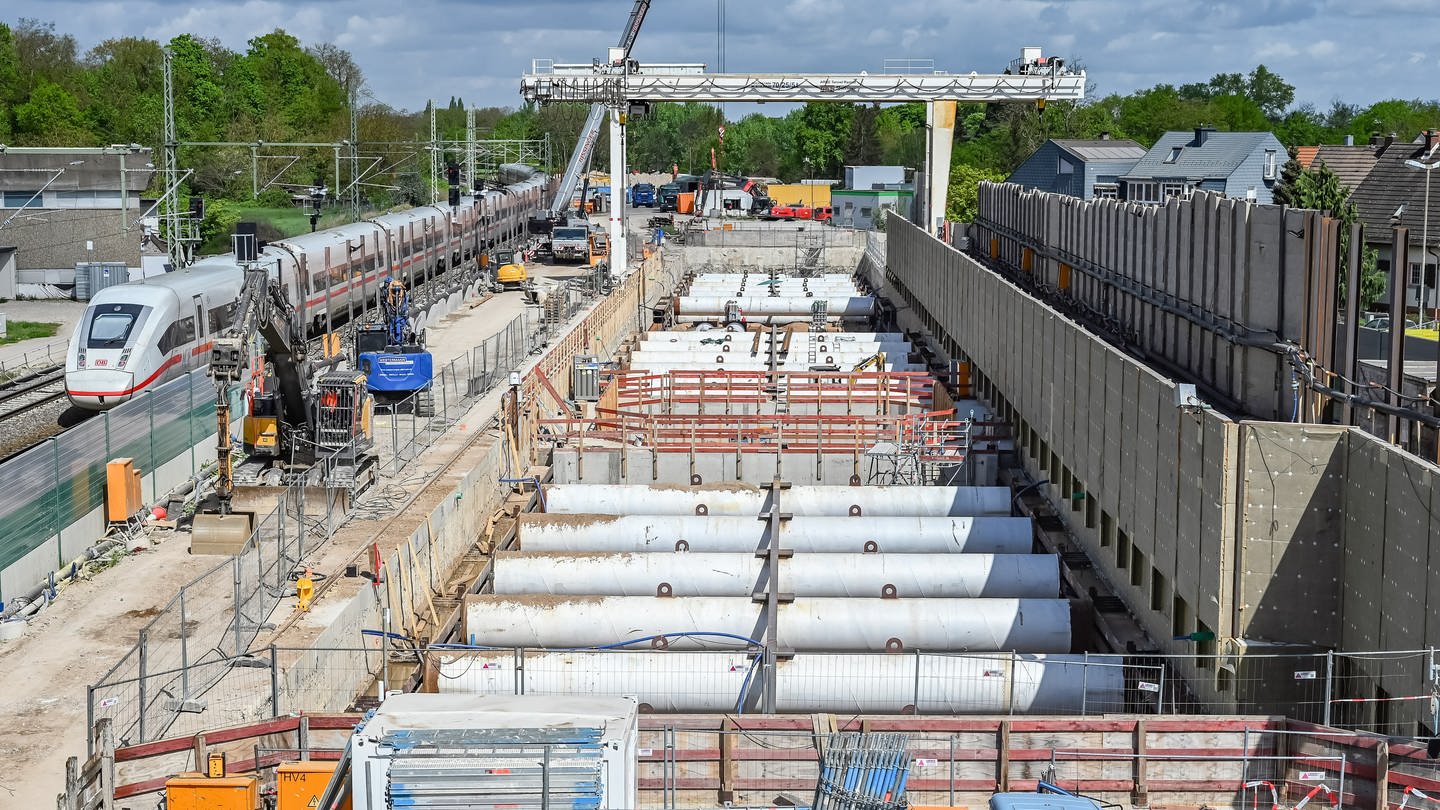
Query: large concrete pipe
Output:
(804,625)
(815,534)
(748,499)
(675,681)
(713,306)
(955,576)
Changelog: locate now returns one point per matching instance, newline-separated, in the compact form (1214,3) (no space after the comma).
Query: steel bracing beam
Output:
(648,85)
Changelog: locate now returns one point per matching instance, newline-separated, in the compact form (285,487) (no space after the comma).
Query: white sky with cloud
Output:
(1359,52)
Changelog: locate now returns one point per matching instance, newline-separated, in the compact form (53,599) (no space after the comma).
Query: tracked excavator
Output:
(304,422)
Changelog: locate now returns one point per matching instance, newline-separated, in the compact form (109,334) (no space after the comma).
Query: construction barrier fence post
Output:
(275,682)
(144,637)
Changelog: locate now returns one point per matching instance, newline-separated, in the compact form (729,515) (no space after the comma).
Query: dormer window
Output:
(1174,154)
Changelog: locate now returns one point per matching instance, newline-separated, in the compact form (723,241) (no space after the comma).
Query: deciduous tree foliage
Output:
(1320,189)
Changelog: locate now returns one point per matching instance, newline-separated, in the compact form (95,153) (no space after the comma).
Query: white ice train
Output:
(135,336)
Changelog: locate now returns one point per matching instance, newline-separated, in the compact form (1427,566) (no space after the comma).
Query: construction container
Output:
(92,277)
(122,490)
(419,750)
(193,791)
(298,785)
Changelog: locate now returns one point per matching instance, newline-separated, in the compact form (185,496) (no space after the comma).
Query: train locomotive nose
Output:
(98,390)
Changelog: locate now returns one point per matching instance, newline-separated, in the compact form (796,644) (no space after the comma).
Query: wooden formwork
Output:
(705,760)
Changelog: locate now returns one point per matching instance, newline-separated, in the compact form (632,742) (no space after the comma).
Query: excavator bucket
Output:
(220,534)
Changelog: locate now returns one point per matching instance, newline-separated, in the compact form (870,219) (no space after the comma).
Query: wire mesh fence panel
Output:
(1385,692)
(209,695)
(327,680)
(115,697)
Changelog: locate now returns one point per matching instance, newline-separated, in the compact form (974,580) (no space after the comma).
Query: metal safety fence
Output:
(52,496)
(181,696)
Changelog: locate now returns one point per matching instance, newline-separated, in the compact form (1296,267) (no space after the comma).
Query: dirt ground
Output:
(67,647)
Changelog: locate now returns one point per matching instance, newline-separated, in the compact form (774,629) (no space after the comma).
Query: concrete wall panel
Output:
(1292,531)
(1406,563)
(1366,487)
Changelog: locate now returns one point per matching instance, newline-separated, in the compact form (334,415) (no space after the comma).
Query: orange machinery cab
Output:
(194,791)
(299,785)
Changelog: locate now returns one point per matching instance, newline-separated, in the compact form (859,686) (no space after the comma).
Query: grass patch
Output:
(289,221)
(16,331)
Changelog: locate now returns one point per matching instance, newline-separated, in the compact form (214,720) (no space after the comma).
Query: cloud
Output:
(478,49)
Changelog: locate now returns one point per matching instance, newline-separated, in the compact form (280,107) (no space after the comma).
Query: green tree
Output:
(52,117)
(821,132)
(9,80)
(1272,93)
(962,199)
(1320,189)
(124,83)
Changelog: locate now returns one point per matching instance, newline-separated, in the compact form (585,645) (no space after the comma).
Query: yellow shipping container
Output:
(799,194)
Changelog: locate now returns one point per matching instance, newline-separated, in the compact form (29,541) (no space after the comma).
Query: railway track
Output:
(36,388)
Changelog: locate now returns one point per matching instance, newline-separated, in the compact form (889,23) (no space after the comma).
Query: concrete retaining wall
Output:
(1275,536)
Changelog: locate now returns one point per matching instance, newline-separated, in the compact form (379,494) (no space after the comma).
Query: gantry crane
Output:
(619,81)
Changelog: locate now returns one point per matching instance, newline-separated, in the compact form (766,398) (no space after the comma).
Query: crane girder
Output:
(617,89)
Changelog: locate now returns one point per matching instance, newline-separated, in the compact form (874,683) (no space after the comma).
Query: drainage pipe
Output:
(738,574)
(749,500)
(802,534)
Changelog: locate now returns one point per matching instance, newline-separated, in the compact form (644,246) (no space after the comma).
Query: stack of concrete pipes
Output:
(780,300)
(870,569)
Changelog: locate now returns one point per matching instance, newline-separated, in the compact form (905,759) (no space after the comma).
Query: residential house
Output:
(1351,164)
(1240,165)
(1394,193)
(1080,168)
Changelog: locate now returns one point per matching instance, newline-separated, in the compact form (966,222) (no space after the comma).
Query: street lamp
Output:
(1426,164)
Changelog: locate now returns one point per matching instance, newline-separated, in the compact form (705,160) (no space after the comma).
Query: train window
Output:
(167,339)
(219,317)
(317,282)
(111,325)
(186,331)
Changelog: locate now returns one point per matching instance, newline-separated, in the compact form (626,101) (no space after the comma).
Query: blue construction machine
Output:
(397,368)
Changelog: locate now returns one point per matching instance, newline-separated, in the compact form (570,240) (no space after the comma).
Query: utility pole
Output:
(172,229)
(434,158)
(351,91)
(470,146)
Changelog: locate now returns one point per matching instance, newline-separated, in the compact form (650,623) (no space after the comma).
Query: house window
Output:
(865,212)
(1414,274)
(1270,172)
(1066,167)
(1174,155)
(1106,191)
(1143,191)
(1178,191)
(22,199)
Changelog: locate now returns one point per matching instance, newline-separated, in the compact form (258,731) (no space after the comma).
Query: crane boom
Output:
(590,133)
